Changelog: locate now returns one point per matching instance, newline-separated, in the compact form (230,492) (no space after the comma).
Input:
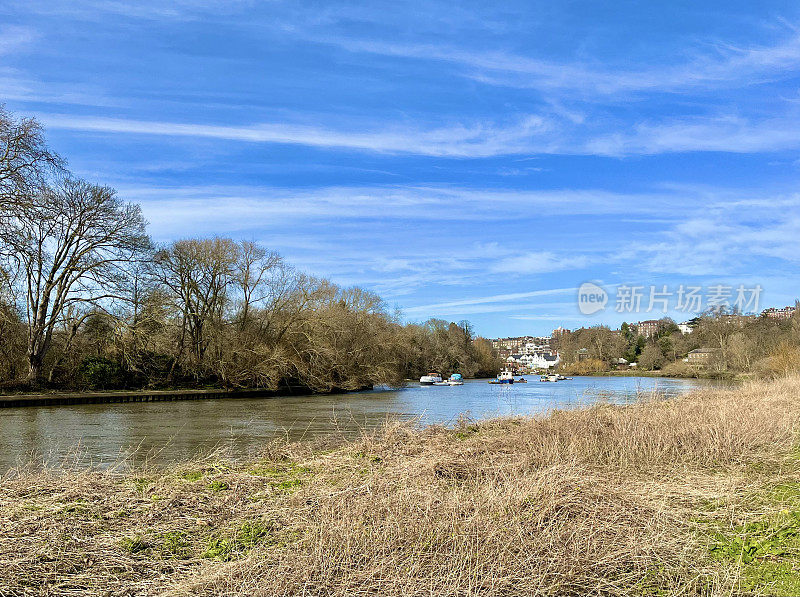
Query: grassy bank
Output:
(699,495)
(716,375)
(622,373)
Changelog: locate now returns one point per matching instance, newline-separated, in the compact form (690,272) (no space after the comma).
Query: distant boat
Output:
(522,380)
(503,377)
(455,380)
(548,378)
(430,379)
(441,383)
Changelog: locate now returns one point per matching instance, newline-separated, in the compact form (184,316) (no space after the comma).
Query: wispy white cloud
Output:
(724,65)
(732,134)
(17,86)
(732,236)
(489,300)
(150,10)
(459,140)
(540,262)
(712,233)
(176,210)
(548,318)
(13,38)
(459,312)
(527,135)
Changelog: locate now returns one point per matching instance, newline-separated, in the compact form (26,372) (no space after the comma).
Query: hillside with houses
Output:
(716,343)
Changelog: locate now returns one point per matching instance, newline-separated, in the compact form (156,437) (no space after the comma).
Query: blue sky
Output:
(463,160)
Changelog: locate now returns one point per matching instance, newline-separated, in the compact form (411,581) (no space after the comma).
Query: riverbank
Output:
(56,398)
(712,375)
(697,495)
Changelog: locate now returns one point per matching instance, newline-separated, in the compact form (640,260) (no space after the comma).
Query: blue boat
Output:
(504,377)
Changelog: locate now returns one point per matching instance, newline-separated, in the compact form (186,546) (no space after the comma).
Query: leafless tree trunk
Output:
(198,274)
(68,247)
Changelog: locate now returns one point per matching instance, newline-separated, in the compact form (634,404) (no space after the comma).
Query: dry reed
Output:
(596,501)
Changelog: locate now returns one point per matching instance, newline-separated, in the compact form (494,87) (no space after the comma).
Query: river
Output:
(160,432)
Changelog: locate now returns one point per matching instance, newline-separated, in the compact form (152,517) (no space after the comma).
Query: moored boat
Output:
(455,380)
(430,379)
(503,377)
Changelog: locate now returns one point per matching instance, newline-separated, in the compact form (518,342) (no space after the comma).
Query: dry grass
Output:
(602,501)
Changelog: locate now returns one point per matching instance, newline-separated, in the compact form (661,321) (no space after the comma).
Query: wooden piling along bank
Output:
(148,396)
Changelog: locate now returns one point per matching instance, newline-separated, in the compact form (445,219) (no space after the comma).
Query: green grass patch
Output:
(134,544)
(175,544)
(787,494)
(169,545)
(283,477)
(141,484)
(466,431)
(371,457)
(289,484)
(767,551)
(192,475)
(77,508)
(244,538)
(218,486)
(779,579)
(776,536)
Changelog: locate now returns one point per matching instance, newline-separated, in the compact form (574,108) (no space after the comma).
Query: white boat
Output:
(430,379)
(441,383)
(503,377)
(548,378)
(455,380)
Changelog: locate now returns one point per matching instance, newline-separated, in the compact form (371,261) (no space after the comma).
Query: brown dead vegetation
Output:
(601,501)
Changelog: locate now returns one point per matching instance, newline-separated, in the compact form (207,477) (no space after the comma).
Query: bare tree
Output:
(254,277)
(198,274)
(66,248)
(25,160)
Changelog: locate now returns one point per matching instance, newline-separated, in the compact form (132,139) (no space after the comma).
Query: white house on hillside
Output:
(539,360)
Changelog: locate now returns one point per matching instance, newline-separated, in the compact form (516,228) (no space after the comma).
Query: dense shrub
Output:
(100,373)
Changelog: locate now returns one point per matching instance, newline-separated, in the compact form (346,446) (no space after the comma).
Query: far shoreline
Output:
(708,375)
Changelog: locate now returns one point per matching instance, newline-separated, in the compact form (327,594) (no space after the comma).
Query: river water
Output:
(161,432)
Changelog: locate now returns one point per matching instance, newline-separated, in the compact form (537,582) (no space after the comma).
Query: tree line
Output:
(87,300)
(736,344)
